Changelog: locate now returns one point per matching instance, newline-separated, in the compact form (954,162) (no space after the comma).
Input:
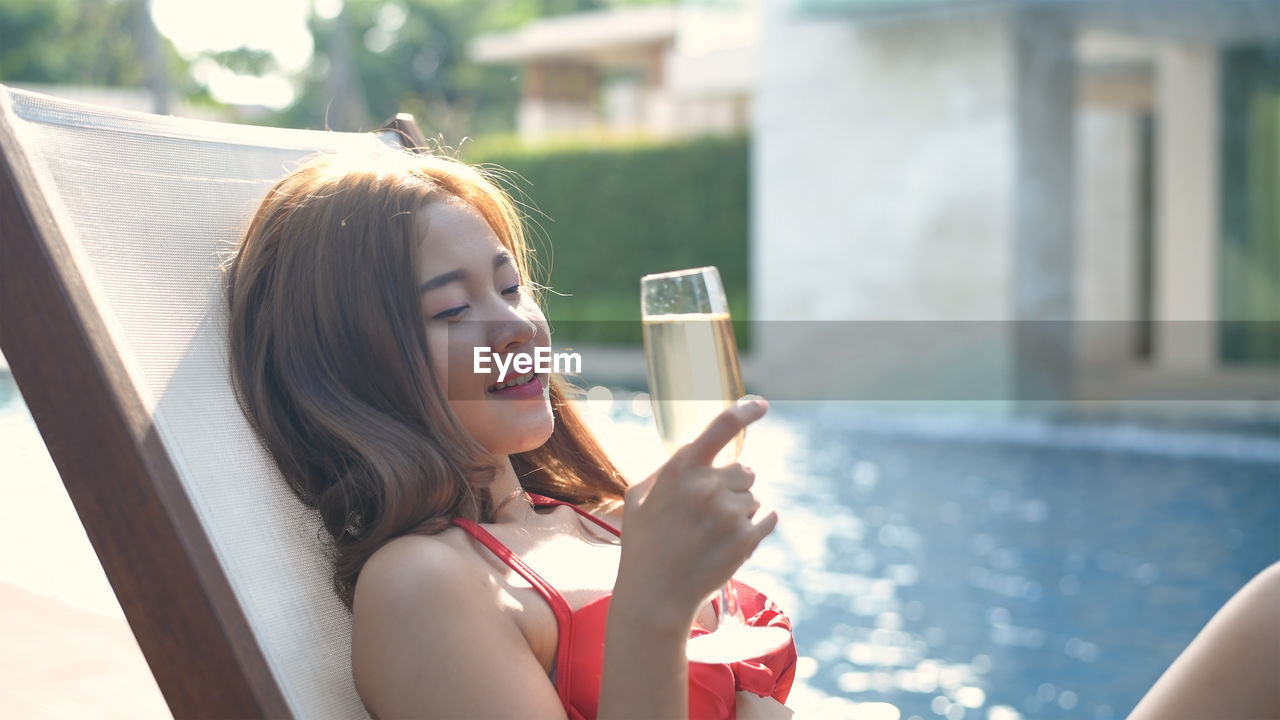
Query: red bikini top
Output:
(580,648)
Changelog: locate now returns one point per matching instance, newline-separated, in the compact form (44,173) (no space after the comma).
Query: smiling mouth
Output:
(524,379)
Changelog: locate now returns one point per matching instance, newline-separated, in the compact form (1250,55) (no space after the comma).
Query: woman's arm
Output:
(645,672)
(754,707)
(1230,669)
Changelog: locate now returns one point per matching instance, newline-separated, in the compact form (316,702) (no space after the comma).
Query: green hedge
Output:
(600,217)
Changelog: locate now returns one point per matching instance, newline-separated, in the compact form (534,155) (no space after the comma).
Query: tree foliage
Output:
(377,58)
(411,56)
(87,42)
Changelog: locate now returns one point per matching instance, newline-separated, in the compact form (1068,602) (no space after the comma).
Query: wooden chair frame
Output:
(123,483)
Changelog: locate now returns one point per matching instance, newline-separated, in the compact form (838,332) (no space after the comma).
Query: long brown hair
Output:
(329,356)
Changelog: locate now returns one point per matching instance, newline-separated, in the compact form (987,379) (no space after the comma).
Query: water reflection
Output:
(969,577)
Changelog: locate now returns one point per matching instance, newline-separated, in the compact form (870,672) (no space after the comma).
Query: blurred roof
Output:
(1219,21)
(602,36)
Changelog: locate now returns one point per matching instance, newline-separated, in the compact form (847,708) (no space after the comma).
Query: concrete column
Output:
(1044,205)
(1108,229)
(1187,207)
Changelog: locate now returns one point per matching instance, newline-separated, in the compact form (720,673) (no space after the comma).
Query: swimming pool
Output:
(953,568)
(977,568)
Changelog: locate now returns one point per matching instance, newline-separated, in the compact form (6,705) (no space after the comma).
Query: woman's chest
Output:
(579,572)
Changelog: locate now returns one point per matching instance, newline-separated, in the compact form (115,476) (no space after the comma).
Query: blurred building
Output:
(969,199)
(1082,193)
(658,70)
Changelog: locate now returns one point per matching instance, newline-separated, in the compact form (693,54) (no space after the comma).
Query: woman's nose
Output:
(511,330)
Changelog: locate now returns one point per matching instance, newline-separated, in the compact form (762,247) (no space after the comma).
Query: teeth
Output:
(526,378)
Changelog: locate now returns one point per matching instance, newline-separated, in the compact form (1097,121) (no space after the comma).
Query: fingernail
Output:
(753,401)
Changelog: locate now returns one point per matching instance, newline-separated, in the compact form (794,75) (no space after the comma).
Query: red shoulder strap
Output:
(544,500)
(559,606)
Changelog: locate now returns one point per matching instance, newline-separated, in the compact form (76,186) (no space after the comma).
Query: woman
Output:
(361,291)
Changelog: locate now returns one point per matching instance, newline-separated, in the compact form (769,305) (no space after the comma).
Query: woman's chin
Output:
(526,441)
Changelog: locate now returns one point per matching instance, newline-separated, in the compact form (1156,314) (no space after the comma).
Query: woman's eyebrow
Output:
(502,258)
(442,279)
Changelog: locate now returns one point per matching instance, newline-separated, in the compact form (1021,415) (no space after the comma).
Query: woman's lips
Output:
(533,388)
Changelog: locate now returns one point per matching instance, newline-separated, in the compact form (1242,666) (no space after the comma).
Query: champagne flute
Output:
(693,376)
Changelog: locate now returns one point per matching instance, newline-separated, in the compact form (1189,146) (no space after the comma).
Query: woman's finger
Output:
(760,528)
(729,509)
(724,428)
(744,504)
(736,477)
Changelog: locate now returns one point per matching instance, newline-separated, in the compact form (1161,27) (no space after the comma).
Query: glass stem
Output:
(730,613)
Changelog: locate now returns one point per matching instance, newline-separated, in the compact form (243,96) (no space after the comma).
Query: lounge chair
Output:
(113,226)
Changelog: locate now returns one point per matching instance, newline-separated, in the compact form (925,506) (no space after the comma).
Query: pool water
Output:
(1055,581)
(1007,569)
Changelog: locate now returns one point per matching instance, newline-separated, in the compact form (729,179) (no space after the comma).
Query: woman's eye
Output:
(513,290)
(450,313)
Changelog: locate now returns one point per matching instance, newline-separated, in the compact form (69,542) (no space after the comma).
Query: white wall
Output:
(882,190)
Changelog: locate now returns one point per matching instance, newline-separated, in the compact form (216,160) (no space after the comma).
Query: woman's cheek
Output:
(534,312)
(440,351)
(463,342)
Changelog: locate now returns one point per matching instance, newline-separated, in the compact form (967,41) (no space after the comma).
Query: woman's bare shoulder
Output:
(428,631)
(412,569)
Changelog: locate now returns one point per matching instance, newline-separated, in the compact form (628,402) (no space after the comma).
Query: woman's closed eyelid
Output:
(456,311)
(453,312)
(450,313)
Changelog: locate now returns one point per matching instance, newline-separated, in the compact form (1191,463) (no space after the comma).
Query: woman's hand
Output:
(686,529)
(750,706)
(690,526)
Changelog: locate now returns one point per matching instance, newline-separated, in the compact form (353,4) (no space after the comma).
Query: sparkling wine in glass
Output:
(693,376)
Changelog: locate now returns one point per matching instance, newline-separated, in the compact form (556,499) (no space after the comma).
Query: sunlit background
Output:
(1009,270)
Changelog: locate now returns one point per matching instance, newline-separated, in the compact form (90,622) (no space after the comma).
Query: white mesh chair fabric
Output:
(151,206)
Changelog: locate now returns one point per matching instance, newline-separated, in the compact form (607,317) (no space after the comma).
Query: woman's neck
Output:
(511,504)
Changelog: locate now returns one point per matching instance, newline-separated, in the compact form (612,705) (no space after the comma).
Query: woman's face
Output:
(473,297)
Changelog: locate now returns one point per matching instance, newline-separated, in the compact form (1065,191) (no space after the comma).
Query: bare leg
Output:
(1232,668)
